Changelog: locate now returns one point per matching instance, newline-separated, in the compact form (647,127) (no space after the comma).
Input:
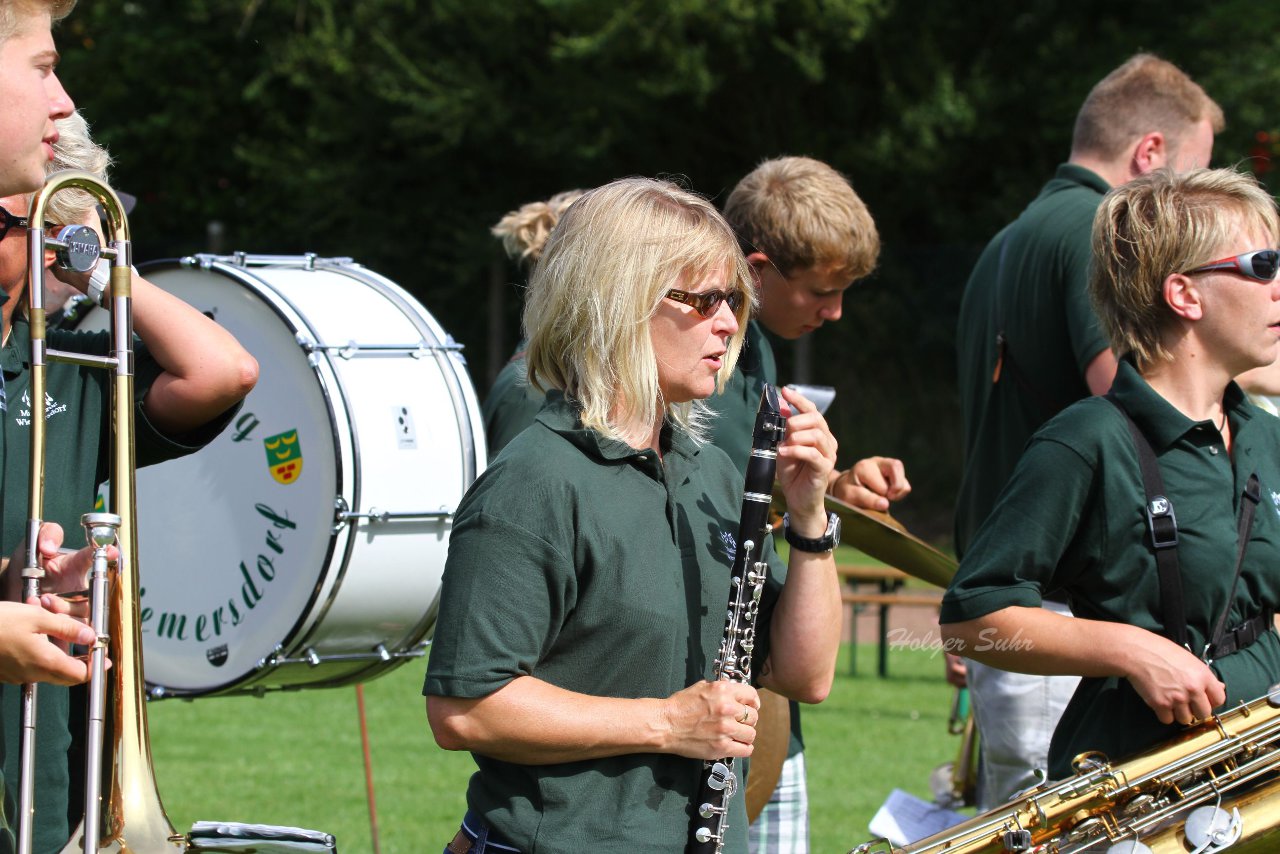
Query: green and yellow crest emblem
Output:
(284,456)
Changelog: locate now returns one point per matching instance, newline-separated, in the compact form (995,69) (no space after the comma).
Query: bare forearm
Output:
(531,722)
(1173,682)
(206,371)
(1033,640)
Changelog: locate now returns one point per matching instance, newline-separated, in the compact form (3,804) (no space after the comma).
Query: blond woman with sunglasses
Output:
(584,595)
(1173,618)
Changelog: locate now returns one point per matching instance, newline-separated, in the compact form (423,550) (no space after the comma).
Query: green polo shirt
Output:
(1030,283)
(77,403)
(511,404)
(1072,519)
(603,570)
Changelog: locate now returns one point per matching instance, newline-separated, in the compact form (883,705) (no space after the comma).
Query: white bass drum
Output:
(304,546)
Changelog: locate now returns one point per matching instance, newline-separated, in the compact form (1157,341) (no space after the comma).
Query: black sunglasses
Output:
(1260,264)
(705,303)
(11,221)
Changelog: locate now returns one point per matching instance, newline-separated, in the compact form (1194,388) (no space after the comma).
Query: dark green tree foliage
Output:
(397,132)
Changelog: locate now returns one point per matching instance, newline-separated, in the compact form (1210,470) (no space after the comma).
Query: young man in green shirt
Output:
(190,375)
(1028,345)
(33,99)
(807,238)
(1185,282)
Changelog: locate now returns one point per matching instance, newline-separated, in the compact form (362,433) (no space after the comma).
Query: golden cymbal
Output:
(884,538)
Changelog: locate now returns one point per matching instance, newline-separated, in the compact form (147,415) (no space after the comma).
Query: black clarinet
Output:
(719,782)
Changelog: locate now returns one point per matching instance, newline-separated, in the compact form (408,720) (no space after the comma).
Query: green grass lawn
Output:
(295,758)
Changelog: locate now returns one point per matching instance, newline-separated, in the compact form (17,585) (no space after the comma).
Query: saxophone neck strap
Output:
(1162,533)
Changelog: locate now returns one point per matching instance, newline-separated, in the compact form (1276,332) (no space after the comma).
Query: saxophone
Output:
(1212,787)
(719,781)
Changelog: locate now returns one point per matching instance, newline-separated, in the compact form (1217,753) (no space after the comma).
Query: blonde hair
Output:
(802,213)
(1160,224)
(1144,95)
(75,150)
(10,10)
(604,271)
(524,231)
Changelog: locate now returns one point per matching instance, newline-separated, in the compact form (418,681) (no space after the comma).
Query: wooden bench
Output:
(887,592)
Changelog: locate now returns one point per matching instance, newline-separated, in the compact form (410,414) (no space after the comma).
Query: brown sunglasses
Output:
(705,303)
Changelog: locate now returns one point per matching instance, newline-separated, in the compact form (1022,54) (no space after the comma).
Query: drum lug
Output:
(311,658)
(344,516)
(354,349)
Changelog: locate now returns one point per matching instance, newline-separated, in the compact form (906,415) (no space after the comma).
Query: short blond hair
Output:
(10,10)
(603,273)
(802,213)
(524,231)
(1160,224)
(1145,95)
(75,149)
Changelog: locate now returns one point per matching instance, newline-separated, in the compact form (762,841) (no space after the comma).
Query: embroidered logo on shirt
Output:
(730,543)
(51,408)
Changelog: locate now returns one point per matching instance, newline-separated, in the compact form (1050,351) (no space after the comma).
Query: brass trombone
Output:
(123,813)
(130,787)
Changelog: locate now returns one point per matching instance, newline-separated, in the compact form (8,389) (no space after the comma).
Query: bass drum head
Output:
(252,576)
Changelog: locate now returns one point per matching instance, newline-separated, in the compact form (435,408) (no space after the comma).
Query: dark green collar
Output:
(1074,174)
(15,356)
(1161,421)
(562,416)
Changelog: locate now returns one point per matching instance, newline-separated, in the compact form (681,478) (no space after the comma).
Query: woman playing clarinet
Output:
(583,604)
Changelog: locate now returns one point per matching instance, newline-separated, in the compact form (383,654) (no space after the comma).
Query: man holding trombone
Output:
(33,99)
(190,376)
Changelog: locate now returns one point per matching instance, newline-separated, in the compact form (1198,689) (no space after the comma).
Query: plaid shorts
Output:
(783,825)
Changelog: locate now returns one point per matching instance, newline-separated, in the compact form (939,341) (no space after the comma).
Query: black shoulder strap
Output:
(1162,528)
(1248,503)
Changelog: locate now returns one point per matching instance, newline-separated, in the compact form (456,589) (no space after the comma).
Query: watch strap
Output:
(825,543)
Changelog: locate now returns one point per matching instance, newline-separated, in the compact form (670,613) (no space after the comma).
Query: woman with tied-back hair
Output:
(524,231)
(583,598)
(1184,280)
(512,403)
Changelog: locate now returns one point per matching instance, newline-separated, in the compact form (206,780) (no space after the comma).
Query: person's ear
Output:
(1150,153)
(1183,296)
(758,262)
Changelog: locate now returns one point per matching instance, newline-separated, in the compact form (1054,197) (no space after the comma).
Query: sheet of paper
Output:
(903,818)
(821,395)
